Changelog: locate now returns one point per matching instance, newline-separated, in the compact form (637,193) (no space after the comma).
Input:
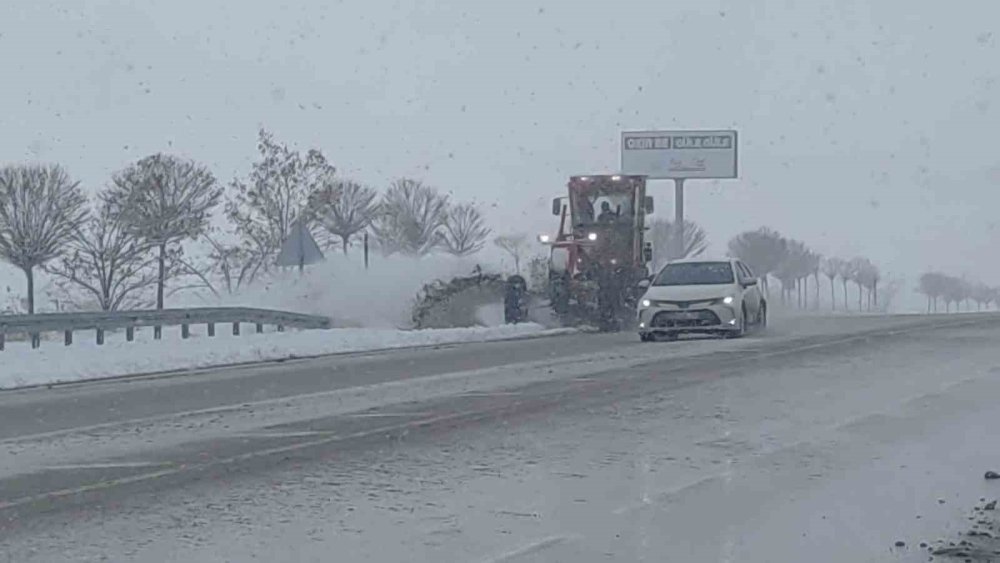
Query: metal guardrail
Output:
(101,321)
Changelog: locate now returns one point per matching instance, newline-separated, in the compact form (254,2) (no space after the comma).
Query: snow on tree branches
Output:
(40,210)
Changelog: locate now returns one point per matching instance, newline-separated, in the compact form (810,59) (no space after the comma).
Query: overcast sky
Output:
(867,127)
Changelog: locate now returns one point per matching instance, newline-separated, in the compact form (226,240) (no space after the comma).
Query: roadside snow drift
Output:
(21,366)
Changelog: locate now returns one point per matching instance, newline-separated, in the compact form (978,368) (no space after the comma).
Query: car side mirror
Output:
(557,206)
(750,282)
(648,204)
(643,283)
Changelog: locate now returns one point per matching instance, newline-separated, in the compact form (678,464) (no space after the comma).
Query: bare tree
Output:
(40,210)
(235,264)
(794,267)
(764,250)
(108,263)
(662,234)
(264,207)
(831,268)
(465,231)
(847,274)
(163,200)
(343,208)
(515,245)
(410,218)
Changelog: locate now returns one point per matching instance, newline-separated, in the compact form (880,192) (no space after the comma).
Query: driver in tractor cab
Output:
(607,215)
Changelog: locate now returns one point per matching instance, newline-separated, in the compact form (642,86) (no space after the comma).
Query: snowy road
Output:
(825,440)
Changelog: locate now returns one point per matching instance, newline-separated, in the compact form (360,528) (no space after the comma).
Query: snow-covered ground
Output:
(810,454)
(54,362)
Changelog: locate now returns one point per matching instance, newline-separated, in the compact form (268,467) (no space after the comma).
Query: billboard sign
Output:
(675,155)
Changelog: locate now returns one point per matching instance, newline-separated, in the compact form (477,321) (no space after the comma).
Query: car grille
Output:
(684,319)
(685,304)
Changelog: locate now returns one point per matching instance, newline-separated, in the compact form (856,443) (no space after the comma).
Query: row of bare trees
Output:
(125,246)
(113,249)
(956,291)
(793,264)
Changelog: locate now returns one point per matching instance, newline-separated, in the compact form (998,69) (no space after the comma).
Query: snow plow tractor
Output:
(600,254)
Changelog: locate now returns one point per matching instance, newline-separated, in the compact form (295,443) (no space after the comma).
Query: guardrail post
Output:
(36,340)
(260,328)
(157,332)
(100,337)
(68,337)
(236,329)
(211,329)
(281,328)
(130,333)
(185,331)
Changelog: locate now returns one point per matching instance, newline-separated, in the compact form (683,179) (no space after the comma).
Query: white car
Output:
(702,296)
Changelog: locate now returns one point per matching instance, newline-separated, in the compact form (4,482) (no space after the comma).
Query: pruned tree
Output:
(860,269)
(465,231)
(263,208)
(764,250)
(343,208)
(793,268)
(105,261)
(831,268)
(410,219)
(516,245)
(847,274)
(163,200)
(662,233)
(234,264)
(41,208)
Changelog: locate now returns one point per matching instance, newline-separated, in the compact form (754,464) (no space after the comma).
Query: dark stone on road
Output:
(992,475)
(900,543)
(992,505)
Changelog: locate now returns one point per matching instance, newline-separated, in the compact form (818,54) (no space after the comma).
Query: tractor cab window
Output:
(599,207)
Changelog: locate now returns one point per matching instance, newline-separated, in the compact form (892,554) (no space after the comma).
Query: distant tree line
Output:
(125,247)
(953,291)
(793,264)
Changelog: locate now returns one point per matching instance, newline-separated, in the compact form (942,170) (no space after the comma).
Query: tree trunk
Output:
(928,304)
(846,306)
(30,274)
(816,305)
(875,294)
(833,296)
(345,241)
(859,298)
(161,276)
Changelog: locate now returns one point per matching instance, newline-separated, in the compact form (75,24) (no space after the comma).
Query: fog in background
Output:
(866,127)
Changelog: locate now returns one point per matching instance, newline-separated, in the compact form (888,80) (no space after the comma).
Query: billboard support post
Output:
(678,250)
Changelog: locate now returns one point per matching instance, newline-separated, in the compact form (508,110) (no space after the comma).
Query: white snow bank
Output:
(342,289)
(21,366)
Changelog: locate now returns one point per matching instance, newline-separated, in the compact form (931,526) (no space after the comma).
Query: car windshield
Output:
(696,273)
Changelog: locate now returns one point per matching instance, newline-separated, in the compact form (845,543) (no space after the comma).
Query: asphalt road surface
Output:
(823,439)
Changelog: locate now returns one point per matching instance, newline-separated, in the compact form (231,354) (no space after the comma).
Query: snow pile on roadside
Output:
(53,362)
(342,289)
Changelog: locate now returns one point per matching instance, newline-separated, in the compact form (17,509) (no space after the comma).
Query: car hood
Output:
(688,292)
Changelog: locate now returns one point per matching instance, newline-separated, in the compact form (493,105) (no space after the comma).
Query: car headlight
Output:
(728,300)
(543,238)
(646,303)
(592,236)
